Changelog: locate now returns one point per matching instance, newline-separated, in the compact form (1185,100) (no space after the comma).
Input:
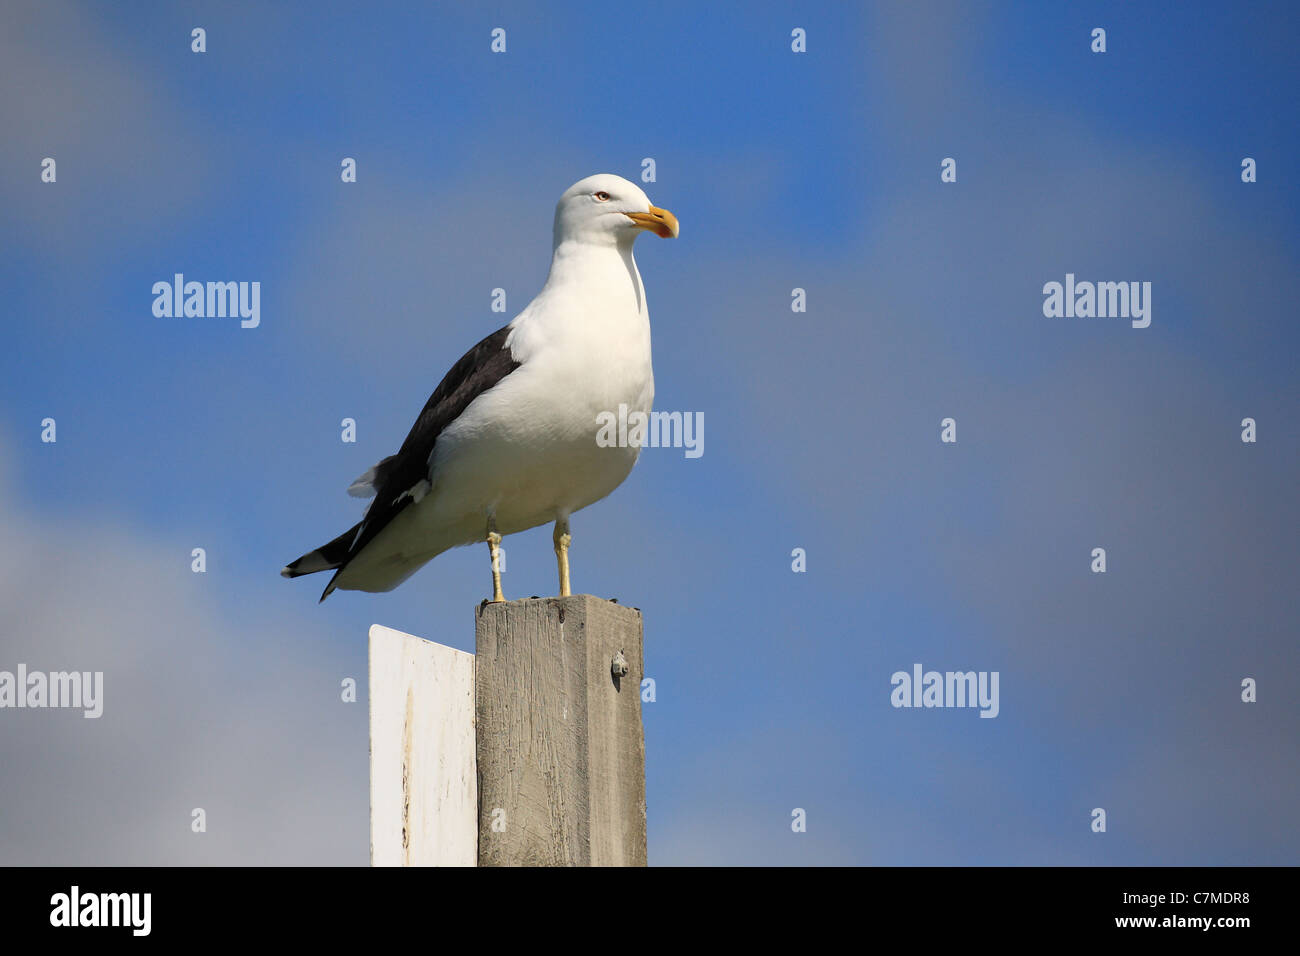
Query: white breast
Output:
(526,451)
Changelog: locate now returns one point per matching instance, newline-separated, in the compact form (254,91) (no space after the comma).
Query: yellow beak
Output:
(659,221)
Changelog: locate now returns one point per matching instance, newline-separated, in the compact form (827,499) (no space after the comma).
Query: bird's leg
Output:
(494,547)
(562,538)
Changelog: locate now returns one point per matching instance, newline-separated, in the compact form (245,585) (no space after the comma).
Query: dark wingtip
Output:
(329,588)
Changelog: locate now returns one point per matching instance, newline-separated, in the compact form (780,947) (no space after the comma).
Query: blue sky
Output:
(817,170)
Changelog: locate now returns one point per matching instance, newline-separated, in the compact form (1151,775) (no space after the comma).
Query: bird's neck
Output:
(597,269)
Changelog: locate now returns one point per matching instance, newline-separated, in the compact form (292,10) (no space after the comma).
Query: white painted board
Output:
(423,786)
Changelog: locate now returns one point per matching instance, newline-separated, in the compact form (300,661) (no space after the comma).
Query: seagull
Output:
(507,441)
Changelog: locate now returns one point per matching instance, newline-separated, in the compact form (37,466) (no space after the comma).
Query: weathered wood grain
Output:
(560,747)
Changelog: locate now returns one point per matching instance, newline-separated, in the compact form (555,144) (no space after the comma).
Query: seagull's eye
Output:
(601,196)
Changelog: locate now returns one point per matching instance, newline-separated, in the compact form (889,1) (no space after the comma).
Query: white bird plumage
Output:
(522,452)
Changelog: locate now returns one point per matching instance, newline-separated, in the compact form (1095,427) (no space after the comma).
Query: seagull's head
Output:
(608,210)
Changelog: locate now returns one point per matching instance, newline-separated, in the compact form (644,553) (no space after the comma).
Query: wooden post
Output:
(561,752)
(423,793)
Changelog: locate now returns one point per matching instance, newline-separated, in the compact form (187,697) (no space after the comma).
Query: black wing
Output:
(396,476)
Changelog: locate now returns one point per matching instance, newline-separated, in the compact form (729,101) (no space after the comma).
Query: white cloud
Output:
(237,713)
